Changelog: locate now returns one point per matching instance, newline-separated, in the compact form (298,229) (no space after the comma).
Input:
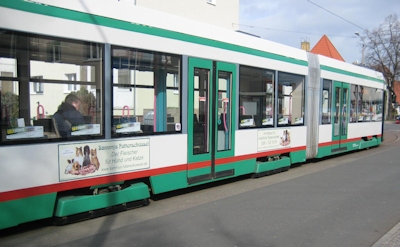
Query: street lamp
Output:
(363,48)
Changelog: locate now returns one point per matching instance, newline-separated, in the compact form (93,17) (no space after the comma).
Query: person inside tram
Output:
(68,115)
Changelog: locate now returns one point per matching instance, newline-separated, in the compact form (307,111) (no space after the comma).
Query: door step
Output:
(206,177)
(76,208)
(271,167)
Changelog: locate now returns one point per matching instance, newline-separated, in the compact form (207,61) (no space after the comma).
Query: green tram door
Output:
(211,110)
(340,116)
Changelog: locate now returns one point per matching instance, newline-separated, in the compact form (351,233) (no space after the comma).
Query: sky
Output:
(291,21)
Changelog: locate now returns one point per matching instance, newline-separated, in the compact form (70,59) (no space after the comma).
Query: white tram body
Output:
(172,103)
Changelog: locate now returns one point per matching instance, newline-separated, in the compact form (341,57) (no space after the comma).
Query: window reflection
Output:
(256,102)
(146,95)
(326,101)
(224,124)
(48,70)
(290,99)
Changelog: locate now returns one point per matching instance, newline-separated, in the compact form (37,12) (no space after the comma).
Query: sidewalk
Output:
(390,239)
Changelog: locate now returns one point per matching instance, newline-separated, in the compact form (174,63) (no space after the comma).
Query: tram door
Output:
(211,110)
(340,115)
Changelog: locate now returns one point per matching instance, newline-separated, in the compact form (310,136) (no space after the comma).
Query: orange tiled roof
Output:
(325,47)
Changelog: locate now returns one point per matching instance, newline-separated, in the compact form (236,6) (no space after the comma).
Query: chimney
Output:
(305,44)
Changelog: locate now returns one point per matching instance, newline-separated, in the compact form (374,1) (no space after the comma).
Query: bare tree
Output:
(382,47)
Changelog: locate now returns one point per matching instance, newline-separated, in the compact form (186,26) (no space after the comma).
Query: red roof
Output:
(325,47)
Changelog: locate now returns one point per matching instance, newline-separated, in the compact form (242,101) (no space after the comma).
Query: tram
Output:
(168,103)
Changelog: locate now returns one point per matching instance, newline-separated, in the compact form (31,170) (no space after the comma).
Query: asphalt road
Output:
(349,200)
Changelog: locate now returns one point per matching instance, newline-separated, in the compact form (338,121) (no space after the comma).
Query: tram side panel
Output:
(362,128)
(39,175)
(257,145)
(360,136)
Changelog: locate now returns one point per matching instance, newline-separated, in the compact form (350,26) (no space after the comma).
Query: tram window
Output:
(368,105)
(359,103)
(45,65)
(326,101)
(146,91)
(365,98)
(353,104)
(9,104)
(290,99)
(224,110)
(256,97)
(377,104)
(201,101)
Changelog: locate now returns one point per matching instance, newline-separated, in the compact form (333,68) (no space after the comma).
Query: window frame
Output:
(257,99)
(290,121)
(135,84)
(328,118)
(30,84)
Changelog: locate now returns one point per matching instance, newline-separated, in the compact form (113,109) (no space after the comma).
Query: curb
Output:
(390,239)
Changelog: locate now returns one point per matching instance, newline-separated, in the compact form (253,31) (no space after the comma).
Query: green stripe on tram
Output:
(42,9)
(344,72)
(350,146)
(27,209)
(32,7)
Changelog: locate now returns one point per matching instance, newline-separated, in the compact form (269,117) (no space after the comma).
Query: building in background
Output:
(325,47)
(396,89)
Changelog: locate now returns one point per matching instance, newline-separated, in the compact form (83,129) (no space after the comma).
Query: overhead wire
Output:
(289,31)
(337,16)
(301,32)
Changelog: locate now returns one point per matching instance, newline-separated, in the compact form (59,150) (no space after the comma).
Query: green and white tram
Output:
(168,103)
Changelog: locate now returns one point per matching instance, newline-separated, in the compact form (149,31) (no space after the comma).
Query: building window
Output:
(71,87)
(93,51)
(54,51)
(37,87)
(71,77)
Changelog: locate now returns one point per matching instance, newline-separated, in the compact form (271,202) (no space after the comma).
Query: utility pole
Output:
(363,48)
